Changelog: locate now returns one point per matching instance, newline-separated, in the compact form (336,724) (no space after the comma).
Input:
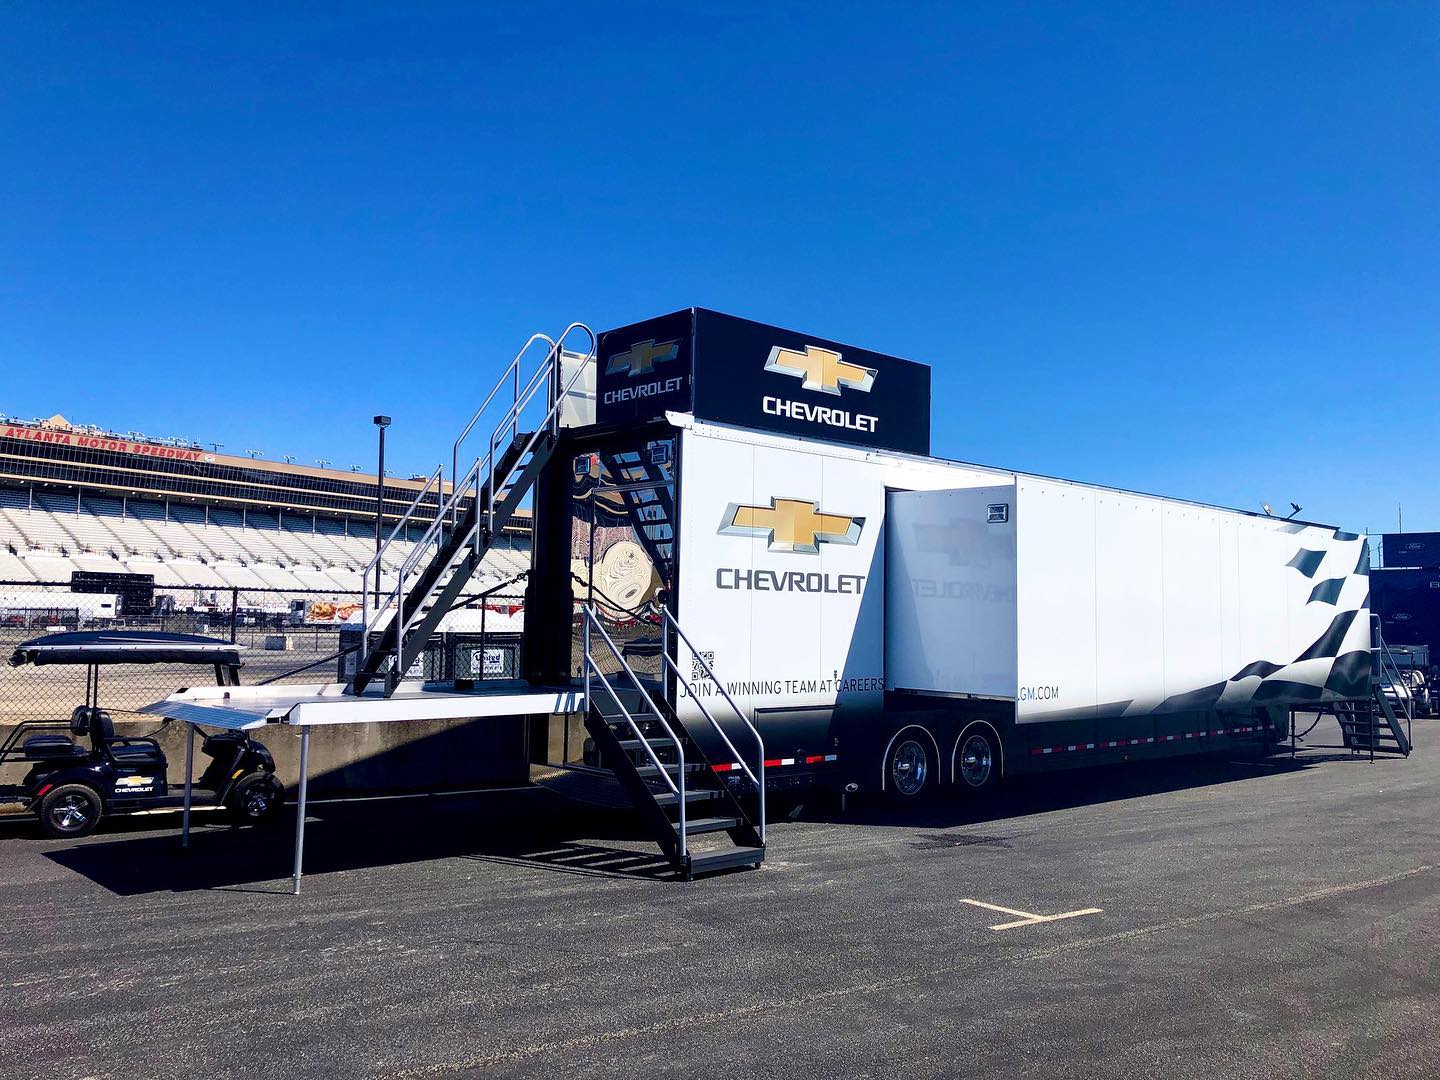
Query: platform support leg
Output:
(189,784)
(300,808)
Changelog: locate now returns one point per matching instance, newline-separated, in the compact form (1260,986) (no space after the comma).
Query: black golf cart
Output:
(70,786)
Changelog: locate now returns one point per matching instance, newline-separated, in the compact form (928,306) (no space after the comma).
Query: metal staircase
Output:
(1380,724)
(665,771)
(468,517)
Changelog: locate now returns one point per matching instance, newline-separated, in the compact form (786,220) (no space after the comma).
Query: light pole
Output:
(381,422)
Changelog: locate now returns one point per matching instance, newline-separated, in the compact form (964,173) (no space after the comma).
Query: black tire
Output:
(911,771)
(258,799)
(70,811)
(976,762)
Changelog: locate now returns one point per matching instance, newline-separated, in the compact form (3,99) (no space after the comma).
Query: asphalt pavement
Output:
(1273,919)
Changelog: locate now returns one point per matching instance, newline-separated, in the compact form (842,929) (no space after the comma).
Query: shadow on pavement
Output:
(1023,796)
(539,827)
(531,827)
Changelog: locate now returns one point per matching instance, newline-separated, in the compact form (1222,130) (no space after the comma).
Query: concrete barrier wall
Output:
(364,758)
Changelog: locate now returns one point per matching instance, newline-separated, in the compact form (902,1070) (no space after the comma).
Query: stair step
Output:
(692,795)
(636,744)
(621,726)
(712,861)
(696,826)
(649,771)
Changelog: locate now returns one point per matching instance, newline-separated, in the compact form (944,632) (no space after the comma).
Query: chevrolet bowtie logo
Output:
(821,369)
(641,358)
(791,525)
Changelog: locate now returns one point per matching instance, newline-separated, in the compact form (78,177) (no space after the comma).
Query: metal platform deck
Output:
(246,707)
(306,706)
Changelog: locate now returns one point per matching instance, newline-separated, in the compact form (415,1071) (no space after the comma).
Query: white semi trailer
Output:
(31,609)
(880,612)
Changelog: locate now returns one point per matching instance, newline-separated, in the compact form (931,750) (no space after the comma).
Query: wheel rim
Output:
(70,813)
(256,803)
(909,767)
(976,760)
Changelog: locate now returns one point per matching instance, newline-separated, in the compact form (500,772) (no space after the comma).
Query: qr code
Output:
(698,663)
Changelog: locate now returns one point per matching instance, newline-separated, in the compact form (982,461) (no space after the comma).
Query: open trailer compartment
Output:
(1114,621)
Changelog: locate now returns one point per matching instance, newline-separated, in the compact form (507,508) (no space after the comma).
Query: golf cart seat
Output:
(101,729)
(49,747)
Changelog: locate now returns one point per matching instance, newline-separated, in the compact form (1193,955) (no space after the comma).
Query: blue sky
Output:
(1189,249)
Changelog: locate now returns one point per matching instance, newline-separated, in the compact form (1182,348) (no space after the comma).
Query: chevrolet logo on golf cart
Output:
(791,525)
(820,369)
(641,358)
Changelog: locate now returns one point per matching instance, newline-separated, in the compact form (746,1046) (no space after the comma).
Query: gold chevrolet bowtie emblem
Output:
(641,358)
(821,369)
(791,525)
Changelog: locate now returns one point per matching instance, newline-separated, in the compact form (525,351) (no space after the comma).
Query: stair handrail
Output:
(1391,669)
(509,424)
(437,479)
(591,619)
(542,375)
(668,619)
(511,373)
(549,369)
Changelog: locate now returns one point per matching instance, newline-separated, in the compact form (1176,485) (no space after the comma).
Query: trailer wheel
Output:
(977,760)
(70,811)
(910,766)
(258,799)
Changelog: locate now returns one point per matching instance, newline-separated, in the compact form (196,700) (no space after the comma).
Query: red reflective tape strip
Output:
(813,758)
(772,763)
(726,766)
(1105,744)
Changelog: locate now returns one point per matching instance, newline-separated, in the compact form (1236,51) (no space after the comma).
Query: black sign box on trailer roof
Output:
(645,370)
(758,376)
(761,377)
(1419,549)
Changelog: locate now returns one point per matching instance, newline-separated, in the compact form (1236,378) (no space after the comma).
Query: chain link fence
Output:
(291,637)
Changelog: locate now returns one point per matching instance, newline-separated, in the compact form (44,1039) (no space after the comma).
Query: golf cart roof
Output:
(125,647)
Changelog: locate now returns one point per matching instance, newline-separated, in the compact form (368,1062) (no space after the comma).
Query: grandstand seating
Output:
(49,536)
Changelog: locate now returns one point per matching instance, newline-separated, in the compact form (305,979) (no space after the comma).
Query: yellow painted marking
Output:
(1026,918)
(1002,910)
(1048,918)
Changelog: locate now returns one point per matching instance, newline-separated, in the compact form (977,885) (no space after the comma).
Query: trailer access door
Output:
(950,591)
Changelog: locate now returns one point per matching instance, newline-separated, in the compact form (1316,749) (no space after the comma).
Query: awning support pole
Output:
(189,784)
(300,807)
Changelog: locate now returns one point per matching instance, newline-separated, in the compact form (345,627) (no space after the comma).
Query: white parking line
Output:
(1026,918)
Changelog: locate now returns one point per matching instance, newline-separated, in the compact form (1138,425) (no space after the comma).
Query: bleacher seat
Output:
(48,537)
(14,568)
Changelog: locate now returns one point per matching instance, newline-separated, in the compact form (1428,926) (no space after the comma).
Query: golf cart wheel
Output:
(258,799)
(70,811)
(910,767)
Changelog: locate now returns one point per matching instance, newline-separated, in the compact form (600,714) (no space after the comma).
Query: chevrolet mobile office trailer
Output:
(748,573)
(896,622)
